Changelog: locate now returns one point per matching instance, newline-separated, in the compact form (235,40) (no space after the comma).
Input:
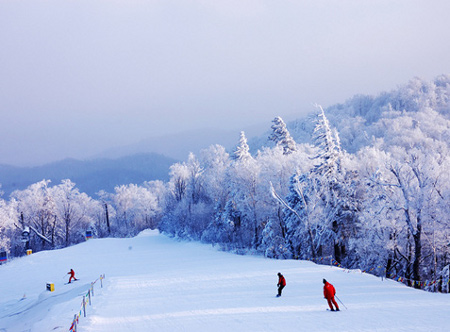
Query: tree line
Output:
(384,208)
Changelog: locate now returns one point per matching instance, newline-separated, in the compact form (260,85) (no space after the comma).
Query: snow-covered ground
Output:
(154,283)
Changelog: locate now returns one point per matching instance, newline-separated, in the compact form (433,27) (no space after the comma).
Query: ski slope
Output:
(154,283)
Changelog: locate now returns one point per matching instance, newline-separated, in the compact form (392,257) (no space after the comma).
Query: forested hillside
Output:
(358,120)
(364,184)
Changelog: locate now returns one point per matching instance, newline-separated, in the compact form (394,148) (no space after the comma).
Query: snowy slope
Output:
(154,283)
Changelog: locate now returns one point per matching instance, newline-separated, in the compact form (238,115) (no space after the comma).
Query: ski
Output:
(71,281)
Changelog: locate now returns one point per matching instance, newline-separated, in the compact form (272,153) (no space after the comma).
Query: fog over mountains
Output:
(356,119)
(145,160)
(90,176)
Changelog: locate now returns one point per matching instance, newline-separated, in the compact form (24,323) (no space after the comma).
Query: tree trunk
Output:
(107,219)
(337,252)
(67,230)
(417,254)
(388,267)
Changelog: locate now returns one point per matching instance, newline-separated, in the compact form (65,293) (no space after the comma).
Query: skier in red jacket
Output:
(72,275)
(281,283)
(329,292)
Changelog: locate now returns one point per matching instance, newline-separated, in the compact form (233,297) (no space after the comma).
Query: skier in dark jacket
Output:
(72,275)
(329,292)
(281,283)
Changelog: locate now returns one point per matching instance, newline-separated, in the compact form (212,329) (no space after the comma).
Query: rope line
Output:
(86,300)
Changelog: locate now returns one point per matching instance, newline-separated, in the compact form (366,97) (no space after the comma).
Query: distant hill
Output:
(90,176)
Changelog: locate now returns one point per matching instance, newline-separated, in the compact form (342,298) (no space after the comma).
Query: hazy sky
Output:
(77,77)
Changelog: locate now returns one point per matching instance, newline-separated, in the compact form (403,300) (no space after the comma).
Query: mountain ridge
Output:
(91,175)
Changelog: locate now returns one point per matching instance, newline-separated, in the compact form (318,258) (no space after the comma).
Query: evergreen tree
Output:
(281,136)
(329,150)
(337,188)
(242,151)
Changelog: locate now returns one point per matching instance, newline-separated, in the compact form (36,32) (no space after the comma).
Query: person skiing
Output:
(281,283)
(72,275)
(328,293)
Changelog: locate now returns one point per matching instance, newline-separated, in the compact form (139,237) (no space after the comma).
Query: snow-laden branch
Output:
(283,202)
(40,235)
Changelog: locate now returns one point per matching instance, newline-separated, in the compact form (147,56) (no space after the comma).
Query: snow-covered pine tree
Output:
(244,183)
(328,148)
(336,186)
(242,151)
(281,136)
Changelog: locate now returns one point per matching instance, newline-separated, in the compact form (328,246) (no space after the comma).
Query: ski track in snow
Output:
(154,283)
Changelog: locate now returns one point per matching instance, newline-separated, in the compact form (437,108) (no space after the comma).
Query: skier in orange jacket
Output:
(329,292)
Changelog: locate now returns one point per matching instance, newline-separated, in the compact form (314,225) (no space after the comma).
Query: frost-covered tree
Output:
(224,228)
(300,217)
(159,191)
(413,184)
(36,208)
(72,211)
(135,207)
(174,220)
(274,241)
(106,215)
(329,151)
(188,206)
(408,192)
(337,186)
(179,175)
(281,136)
(216,162)
(242,150)
(8,231)
(243,187)
(195,185)
(199,209)
(276,172)
(58,216)
(100,212)
(378,244)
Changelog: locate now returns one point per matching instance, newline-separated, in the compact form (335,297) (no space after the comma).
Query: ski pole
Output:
(341,302)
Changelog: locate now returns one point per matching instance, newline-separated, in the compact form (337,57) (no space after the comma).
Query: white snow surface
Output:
(155,283)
